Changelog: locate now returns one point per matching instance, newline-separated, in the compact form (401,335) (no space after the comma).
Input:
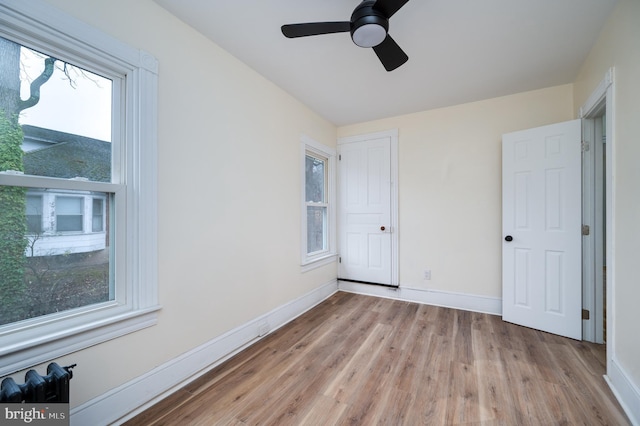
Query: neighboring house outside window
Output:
(78,218)
(88,204)
(318,213)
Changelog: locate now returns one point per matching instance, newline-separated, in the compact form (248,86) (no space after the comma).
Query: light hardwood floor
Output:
(360,360)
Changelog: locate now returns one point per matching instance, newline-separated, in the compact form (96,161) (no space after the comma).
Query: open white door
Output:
(366,221)
(541,222)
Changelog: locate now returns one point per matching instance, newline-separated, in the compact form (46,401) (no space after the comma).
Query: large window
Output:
(77,241)
(319,203)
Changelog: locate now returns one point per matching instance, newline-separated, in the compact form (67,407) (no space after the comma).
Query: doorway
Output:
(597,217)
(598,191)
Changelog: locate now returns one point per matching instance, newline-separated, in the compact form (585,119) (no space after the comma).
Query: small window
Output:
(69,214)
(317,205)
(97,222)
(34,214)
(318,233)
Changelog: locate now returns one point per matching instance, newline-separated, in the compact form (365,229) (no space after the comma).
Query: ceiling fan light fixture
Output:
(369,35)
(369,26)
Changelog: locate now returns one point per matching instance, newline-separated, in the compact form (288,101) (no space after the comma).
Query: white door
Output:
(365,222)
(541,223)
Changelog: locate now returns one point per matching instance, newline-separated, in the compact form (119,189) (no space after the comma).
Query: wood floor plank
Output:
(325,411)
(463,403)
(360,360)
(348,378)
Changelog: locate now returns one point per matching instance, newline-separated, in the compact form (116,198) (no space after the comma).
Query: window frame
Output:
(40,26)
(309,146)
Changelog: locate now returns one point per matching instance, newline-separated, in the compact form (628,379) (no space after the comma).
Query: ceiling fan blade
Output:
(389,7)
(315,28)
(390,54)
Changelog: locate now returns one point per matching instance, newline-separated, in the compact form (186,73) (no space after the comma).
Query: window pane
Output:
(68,205)
(34,214)
(315,179)
(316,228)
(57,271)
(68,214)
(66,126)
(68,223)
(98,214)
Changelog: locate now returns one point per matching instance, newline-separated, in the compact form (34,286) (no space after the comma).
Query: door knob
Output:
(382,228)
(508,238)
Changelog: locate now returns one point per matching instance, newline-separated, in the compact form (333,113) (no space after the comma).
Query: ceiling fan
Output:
(369,26)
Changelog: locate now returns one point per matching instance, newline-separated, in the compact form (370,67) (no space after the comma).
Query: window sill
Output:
(317,262)
(41,349)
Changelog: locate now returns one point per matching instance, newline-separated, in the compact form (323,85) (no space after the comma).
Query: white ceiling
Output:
(459,50)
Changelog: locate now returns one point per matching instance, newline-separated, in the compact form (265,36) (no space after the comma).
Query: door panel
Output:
(365,210)
(542,213)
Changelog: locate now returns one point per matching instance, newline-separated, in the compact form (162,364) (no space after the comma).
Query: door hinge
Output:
(339,157)
(584,146)
(340,260)
(585,230)
(585,314)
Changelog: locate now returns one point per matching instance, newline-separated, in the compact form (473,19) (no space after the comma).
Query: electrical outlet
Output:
(427,274)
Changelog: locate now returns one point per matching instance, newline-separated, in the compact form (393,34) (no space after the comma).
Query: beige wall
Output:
(450,186)
(619,46)
(229,194)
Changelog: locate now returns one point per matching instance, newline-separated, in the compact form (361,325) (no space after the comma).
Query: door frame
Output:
(593,214)
(393,135)
(602,97)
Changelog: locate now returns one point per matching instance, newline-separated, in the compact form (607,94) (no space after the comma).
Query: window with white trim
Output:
(318,210)
(73,201)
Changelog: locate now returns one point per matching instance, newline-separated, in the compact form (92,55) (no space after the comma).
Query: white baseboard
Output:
(626,392)
(131,398)
(467,302)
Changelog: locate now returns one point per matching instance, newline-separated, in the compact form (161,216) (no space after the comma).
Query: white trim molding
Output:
(598,95)
(131,398)
(463,301)
(625,391)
